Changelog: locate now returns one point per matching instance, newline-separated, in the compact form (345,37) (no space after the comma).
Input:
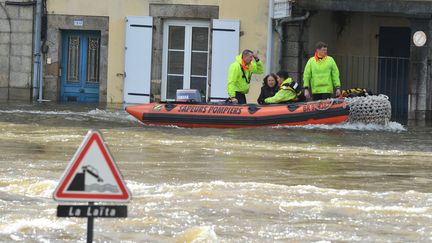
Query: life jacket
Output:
(292,85)
(355,92)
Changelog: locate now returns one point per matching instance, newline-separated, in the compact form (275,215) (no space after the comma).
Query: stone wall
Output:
(420,74)
(294,54)
(16,47)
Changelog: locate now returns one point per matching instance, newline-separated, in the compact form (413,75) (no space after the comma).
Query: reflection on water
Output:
(350,182)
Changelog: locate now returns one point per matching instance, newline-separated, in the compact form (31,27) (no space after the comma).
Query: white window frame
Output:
(188,24)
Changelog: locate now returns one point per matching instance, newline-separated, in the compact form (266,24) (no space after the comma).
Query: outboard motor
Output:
(188,95)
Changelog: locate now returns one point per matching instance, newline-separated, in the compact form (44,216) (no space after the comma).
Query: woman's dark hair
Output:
(266,79)
(283,74)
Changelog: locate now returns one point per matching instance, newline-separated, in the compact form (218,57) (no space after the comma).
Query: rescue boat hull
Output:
(215,115)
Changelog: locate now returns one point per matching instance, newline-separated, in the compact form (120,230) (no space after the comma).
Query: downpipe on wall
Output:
(37,63)
(279,29)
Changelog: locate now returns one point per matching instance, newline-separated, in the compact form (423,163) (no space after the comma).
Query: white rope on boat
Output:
(370,109)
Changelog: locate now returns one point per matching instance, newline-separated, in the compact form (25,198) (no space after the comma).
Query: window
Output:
(185,57)
(73,59)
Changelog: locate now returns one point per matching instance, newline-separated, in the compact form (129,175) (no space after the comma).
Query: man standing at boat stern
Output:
(321,75)
(240,74)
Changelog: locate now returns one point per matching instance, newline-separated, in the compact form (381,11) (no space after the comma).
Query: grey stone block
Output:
(295,76)
(4,64)
(3,93)
(291,48)
(51,89)
(13,11)
(291,64)
(15,63)
(184,11)
(22,38)
(4,79)
(21,50)
(20,79)
(26,64)
(26,13)
(4,26)
(421,105)
(50,95)
(4,38)
(22,26)
(19,94)
(292,33)
(4,49)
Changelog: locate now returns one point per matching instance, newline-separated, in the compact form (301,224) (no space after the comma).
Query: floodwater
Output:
(340,183)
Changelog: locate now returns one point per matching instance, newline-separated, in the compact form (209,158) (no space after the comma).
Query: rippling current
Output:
(338,183)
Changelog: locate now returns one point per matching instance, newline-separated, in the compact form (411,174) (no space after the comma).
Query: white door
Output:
(138,55)
(185,60)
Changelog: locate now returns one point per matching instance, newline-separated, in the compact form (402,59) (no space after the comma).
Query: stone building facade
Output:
(372,42)
(16,50)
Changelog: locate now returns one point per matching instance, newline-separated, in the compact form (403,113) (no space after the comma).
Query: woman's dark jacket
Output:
(266,92)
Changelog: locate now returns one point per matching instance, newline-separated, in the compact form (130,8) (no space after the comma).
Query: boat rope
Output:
(325,105)
(369,109)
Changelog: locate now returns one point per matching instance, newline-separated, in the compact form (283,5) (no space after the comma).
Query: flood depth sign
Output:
(92,174)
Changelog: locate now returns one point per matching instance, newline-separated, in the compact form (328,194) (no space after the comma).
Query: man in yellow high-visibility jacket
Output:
(240,74)
(321,75)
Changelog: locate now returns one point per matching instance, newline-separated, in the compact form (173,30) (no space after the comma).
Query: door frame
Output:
(188,24)
(393,69)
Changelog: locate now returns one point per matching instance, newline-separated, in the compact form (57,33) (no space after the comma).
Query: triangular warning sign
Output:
(92,174)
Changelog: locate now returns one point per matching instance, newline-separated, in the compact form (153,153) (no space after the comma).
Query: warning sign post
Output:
(92,176)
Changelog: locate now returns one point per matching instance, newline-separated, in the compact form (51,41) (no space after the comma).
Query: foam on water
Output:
(198,234)
(186,204)
(30,223)
(390,127)
(29,187)
(71,115)
(143,189)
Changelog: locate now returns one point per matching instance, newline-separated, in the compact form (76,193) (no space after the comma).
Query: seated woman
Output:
(289,90)
(269,88)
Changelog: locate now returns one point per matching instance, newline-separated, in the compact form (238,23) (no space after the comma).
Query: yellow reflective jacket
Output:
(285,93)
(237,82)
(321,76)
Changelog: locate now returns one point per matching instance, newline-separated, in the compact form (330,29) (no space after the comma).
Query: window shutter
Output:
(225,47)
(138,56)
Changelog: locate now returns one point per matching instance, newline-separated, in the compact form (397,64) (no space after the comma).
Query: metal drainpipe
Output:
(37,82)
(279,30)
(10,49)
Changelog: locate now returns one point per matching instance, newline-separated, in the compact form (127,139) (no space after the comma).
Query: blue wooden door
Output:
(80,66)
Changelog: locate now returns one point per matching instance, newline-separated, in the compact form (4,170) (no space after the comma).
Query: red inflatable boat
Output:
(223,115)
